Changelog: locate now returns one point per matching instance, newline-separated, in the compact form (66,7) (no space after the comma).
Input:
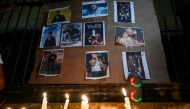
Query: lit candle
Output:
(44,103)
(84,104)
(127,102)
(66,102)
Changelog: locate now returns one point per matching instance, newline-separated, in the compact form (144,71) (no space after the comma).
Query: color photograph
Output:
(135,63)
(71,35)
(51,62)
(97,65)
(94,34)
(124,12)
(59,15)
(130,36)
(50,36)
(94,9)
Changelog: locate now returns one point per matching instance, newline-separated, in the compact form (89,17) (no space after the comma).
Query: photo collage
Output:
(59,32)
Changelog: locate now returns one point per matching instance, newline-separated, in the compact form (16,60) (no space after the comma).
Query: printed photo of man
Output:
(58,17)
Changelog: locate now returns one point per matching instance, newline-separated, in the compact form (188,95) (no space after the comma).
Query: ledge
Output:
(108,105)
(160,92)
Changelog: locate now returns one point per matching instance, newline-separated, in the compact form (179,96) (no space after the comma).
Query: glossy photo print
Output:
(51,62)
(124,12)
(94,34)
(97,65)
(71,35)
(50,36)
(130,36)
(94,9)
(59,15)
(135,63)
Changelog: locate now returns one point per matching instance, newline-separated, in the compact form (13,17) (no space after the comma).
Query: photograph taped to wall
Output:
(94,9)
(71,35)
(130,36)
(124,11)
(51,62)
(50,36)
(135,63)
(97,65)
(59,15)
(94,34)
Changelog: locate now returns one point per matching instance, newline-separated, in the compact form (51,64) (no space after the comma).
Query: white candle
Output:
(84,103)
(127,102)
(66,102)
(86,106)
(44,103)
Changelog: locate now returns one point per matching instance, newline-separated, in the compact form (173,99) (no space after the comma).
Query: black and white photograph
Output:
(135,63)
(94,9)
(51,62)
(130,36)
(97,65)
(71,35)
(50,36)
(124,11)
(94,34)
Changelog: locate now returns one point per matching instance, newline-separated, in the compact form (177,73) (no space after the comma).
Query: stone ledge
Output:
(107,105)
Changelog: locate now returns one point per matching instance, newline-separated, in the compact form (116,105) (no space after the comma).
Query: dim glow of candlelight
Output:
(44,95)
(67,96)
(66,101)
(84,98)
(84,103)
(23,108)
(124,92)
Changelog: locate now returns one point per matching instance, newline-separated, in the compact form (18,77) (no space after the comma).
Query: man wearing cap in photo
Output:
(97,67)
(2,80)
(58,17)
(50,41)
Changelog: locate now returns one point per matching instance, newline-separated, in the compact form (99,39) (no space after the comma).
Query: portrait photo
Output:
(94,34)
(130,36)
(50,36)
(94,9)
(124,12)
(59,15)
(135,63)
(97,65)
(51,62)
(71,35)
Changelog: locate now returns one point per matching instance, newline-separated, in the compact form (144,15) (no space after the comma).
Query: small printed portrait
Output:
(130,36)
(51,62)
(71,35)
(94,9)
(135,63)
(50,36)
(59,15)
(94,34)
(97,66)
(124,12)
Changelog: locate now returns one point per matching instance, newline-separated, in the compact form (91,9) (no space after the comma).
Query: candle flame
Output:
(8,108)
(124,92)
(44,94)
(84,98)
(23,108)
(67,96)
